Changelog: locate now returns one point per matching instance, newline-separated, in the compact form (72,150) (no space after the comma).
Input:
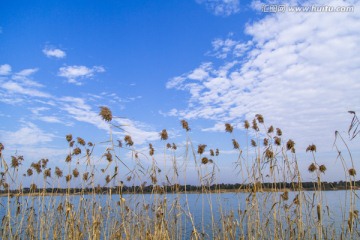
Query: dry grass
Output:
(87,213)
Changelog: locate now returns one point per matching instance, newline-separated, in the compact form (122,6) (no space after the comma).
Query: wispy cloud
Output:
(221,7)
(20,83)
(301,73)
(28,134)
(223,48)
(75,73)
(14,87)
(37,112)
(140,132)
(54,52)
(78,109)
(5,69)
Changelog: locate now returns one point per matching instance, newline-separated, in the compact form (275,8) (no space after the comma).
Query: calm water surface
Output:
(205,209)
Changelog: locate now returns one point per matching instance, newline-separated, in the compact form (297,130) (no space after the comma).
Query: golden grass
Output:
(87,210)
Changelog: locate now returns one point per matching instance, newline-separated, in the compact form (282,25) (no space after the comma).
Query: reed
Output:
(70,203)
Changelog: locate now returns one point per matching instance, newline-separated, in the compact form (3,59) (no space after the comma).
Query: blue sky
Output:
(157,62)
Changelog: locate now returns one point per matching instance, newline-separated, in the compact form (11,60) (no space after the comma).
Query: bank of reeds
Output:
(84,211)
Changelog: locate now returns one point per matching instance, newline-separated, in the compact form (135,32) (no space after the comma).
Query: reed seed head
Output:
(71,144)
(253,143)
(204,160)
(236,145)
(47,173)
(69,138)
(15,162)
(352,172)
(151,150)
(90,144)
(168,145)
(290,144)
(128,140)
(105,114)
(81,141)
(322,168)
(85,176)
(58,172)
(271,129)
(68,158)
(312,167)
(212,153)
(246,124)
(311,148)
(260,118)
(174,146)
(29,172)
(277,141)
(296,200)
(269,154)
(278,132)
(1,149)
(68,177)
(185,125)
(255,125)
(201,148)
(76,173)
(266,142)
(164,135)
(44,162)
(217,152)
(76,151)
(108,156)
(285,195)
(228,128)
(107,178)
(37,167)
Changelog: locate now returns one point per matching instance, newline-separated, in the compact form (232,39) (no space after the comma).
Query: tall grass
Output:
(70,203)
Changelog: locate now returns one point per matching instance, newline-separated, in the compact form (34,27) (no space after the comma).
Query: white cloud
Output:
(301,73)
(200,73)
(37,153)
(50,119)
(27,72)
(139,132)
(74,73)
(54,52)
(28,134)
(5,69)
(82,112)
(222,48)
(14,87)
(221,7)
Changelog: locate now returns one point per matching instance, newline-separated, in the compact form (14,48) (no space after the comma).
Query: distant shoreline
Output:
(48,193)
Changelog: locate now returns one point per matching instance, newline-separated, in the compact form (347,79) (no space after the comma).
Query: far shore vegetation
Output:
(215,188)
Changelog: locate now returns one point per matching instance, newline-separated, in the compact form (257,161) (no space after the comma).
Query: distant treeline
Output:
(308,186)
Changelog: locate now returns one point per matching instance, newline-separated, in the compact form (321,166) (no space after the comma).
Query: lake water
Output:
(207,213)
